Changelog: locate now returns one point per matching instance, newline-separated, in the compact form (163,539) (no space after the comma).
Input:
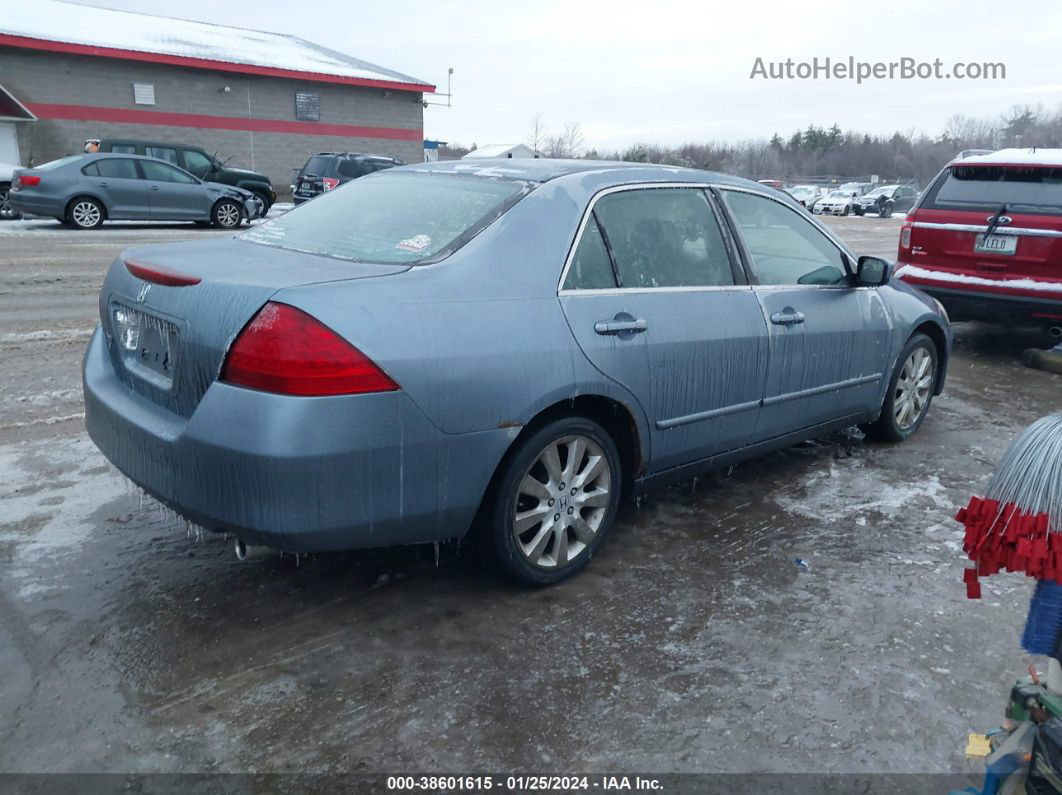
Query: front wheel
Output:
(227,214)
(265,203)
(910,392)
(554,501)
(846,210)
(7,212)
(886,210)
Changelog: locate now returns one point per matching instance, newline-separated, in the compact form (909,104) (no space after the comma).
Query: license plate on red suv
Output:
(996,244)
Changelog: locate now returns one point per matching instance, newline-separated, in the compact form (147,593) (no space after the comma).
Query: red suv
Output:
(985,238)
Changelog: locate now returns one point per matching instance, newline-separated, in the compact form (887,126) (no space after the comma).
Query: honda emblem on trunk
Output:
(143,293)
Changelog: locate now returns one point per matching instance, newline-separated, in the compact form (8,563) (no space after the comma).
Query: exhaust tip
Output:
(241,550)
(1055,331)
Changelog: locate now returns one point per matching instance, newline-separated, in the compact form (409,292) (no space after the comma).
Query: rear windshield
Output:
(393,217)
(1030,190)
(319,166)
(62,161)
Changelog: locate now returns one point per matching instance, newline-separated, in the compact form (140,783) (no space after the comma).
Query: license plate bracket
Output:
(1006,245)
(150,352)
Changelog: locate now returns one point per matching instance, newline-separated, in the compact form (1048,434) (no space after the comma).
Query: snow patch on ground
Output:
(849,491)
(49,335)
(48,495)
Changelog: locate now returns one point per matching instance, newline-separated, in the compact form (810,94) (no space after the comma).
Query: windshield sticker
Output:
(415,243)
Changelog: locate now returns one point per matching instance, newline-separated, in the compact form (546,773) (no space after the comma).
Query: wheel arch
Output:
(613,415)
(85,195)
(933,330)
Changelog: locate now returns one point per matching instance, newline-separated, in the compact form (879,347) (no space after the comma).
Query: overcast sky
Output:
(671,72)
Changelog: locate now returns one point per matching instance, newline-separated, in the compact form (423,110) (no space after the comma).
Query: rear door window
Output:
(1027,190)
(393,217)
(664,237)
(162,153)
(785,247)
(117,168)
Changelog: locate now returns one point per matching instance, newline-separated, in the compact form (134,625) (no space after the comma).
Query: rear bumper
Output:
(297,474)
(997,303)
(36,205)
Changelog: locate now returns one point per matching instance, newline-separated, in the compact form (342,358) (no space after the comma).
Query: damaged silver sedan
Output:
(504,348)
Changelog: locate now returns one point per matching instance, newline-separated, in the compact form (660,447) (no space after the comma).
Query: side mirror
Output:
(873,272)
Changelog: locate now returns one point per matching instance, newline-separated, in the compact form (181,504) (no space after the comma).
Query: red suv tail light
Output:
(28,180)
(285,350)
(329,183)
(905,236)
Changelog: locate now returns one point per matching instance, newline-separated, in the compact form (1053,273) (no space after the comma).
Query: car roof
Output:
(546,169)
(1013,157)
(125,156)
(145,142)
(361,155)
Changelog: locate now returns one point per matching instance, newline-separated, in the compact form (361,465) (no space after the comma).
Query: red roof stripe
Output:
(131,116)
(206,63)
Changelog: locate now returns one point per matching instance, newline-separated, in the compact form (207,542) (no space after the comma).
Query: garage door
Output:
(8,144)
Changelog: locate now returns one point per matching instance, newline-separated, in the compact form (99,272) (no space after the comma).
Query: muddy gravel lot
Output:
(692,643)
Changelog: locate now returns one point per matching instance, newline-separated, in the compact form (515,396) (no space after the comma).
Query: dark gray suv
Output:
(327,170)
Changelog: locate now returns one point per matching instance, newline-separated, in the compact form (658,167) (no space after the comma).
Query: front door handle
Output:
(621,325)
(787,317)
(103,184)
(154,187)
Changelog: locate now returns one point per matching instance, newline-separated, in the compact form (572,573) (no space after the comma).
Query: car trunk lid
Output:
(171,312)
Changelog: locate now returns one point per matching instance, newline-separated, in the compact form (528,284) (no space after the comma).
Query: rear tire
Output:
(85,213)
(227,214)
(553,501)
(910,392)
(7,212)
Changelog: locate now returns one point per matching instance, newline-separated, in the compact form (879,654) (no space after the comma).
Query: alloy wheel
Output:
(561,501)
(913,388)
(86,214)
(228,215)
(7,212)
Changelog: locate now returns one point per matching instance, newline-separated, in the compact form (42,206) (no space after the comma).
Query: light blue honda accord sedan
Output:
(505,347)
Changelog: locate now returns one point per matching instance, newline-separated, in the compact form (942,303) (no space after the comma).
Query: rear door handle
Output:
(103,184)
(620,326)
(787,317)
(154,187)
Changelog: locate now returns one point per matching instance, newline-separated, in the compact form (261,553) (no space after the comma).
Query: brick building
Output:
(268,100)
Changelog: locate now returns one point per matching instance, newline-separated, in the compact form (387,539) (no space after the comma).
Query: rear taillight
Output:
(905,236)
(285,350)
(28,180)
(329,183)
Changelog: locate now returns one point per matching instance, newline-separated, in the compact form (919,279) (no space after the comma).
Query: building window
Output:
(307,106)
(144,93)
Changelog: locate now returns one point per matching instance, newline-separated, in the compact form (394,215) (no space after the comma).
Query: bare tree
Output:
(574,143)
(537,136)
